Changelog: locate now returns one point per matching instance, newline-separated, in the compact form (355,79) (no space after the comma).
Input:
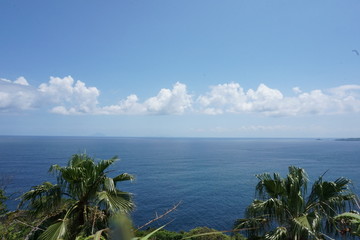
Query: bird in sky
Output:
(355,51)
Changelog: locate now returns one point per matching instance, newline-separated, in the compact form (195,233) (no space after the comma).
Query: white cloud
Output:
(296,90)
(67,96)
(72,97)
(263,128)
(3,80)
(175,101)
(264,99)
(231,98)
(17,95)
(128,106)
(21,81)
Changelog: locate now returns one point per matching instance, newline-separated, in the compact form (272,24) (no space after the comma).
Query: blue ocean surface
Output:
(213,178)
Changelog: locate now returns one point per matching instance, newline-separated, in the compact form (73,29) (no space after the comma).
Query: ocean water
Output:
(213,178)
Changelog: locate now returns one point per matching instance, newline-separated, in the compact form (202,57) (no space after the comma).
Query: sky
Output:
(171,68)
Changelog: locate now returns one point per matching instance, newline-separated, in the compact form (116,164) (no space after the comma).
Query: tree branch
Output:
(161,216)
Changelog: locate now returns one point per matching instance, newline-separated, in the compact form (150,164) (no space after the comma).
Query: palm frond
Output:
(348,222)
(270,187)
(78,159)
(84,192)
(330,198)
(42,198)
(252,226)
(116,202)
(307,225)
(109,185)
(300,175)
(123,177)
(98,234)
(55,231)
(284,203)
(146,237)
(352,216)
(272,207)
(54,168)
(279,233)
(104,164)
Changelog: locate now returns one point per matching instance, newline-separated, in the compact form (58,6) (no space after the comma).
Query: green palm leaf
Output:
(109,185)
(55,231)
(123,177)
(43,198)
(278,234)
(84,192)
(104,164)
(307,224)
(146,237)
(115,202)
(284,202)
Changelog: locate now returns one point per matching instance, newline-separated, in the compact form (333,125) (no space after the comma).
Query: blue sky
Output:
(180,68)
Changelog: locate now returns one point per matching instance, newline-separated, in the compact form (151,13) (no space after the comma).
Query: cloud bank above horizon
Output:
(69,97)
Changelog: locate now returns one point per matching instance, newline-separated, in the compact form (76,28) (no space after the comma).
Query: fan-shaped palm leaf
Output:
(284,203)
(84,184)
(114,202)
(55,231)
(279,233)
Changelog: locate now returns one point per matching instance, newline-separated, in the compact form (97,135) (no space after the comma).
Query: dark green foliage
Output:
(3,198)
(348,223)
(199,233)
(283,210)
(16,225)
(205,233)
(238,236)
(162,234)
(81,201)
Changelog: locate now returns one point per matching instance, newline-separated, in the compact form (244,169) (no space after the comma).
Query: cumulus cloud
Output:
(231,98)
(62,95)
(167,101)
(17,95)
(21,81)
(130,105)
(72,97)
(296,90)
(68,97)
(174,101)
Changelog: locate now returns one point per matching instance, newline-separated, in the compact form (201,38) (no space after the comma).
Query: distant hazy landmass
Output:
(347,139)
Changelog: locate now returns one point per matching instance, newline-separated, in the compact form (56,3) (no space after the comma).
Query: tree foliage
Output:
(3,198)
(348,223)
(81,201)
(283,210)
(205,233)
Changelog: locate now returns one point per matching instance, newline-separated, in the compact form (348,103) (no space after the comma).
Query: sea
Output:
(212,179)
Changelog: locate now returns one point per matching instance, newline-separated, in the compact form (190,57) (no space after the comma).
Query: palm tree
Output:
(283,211)
(81,201)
